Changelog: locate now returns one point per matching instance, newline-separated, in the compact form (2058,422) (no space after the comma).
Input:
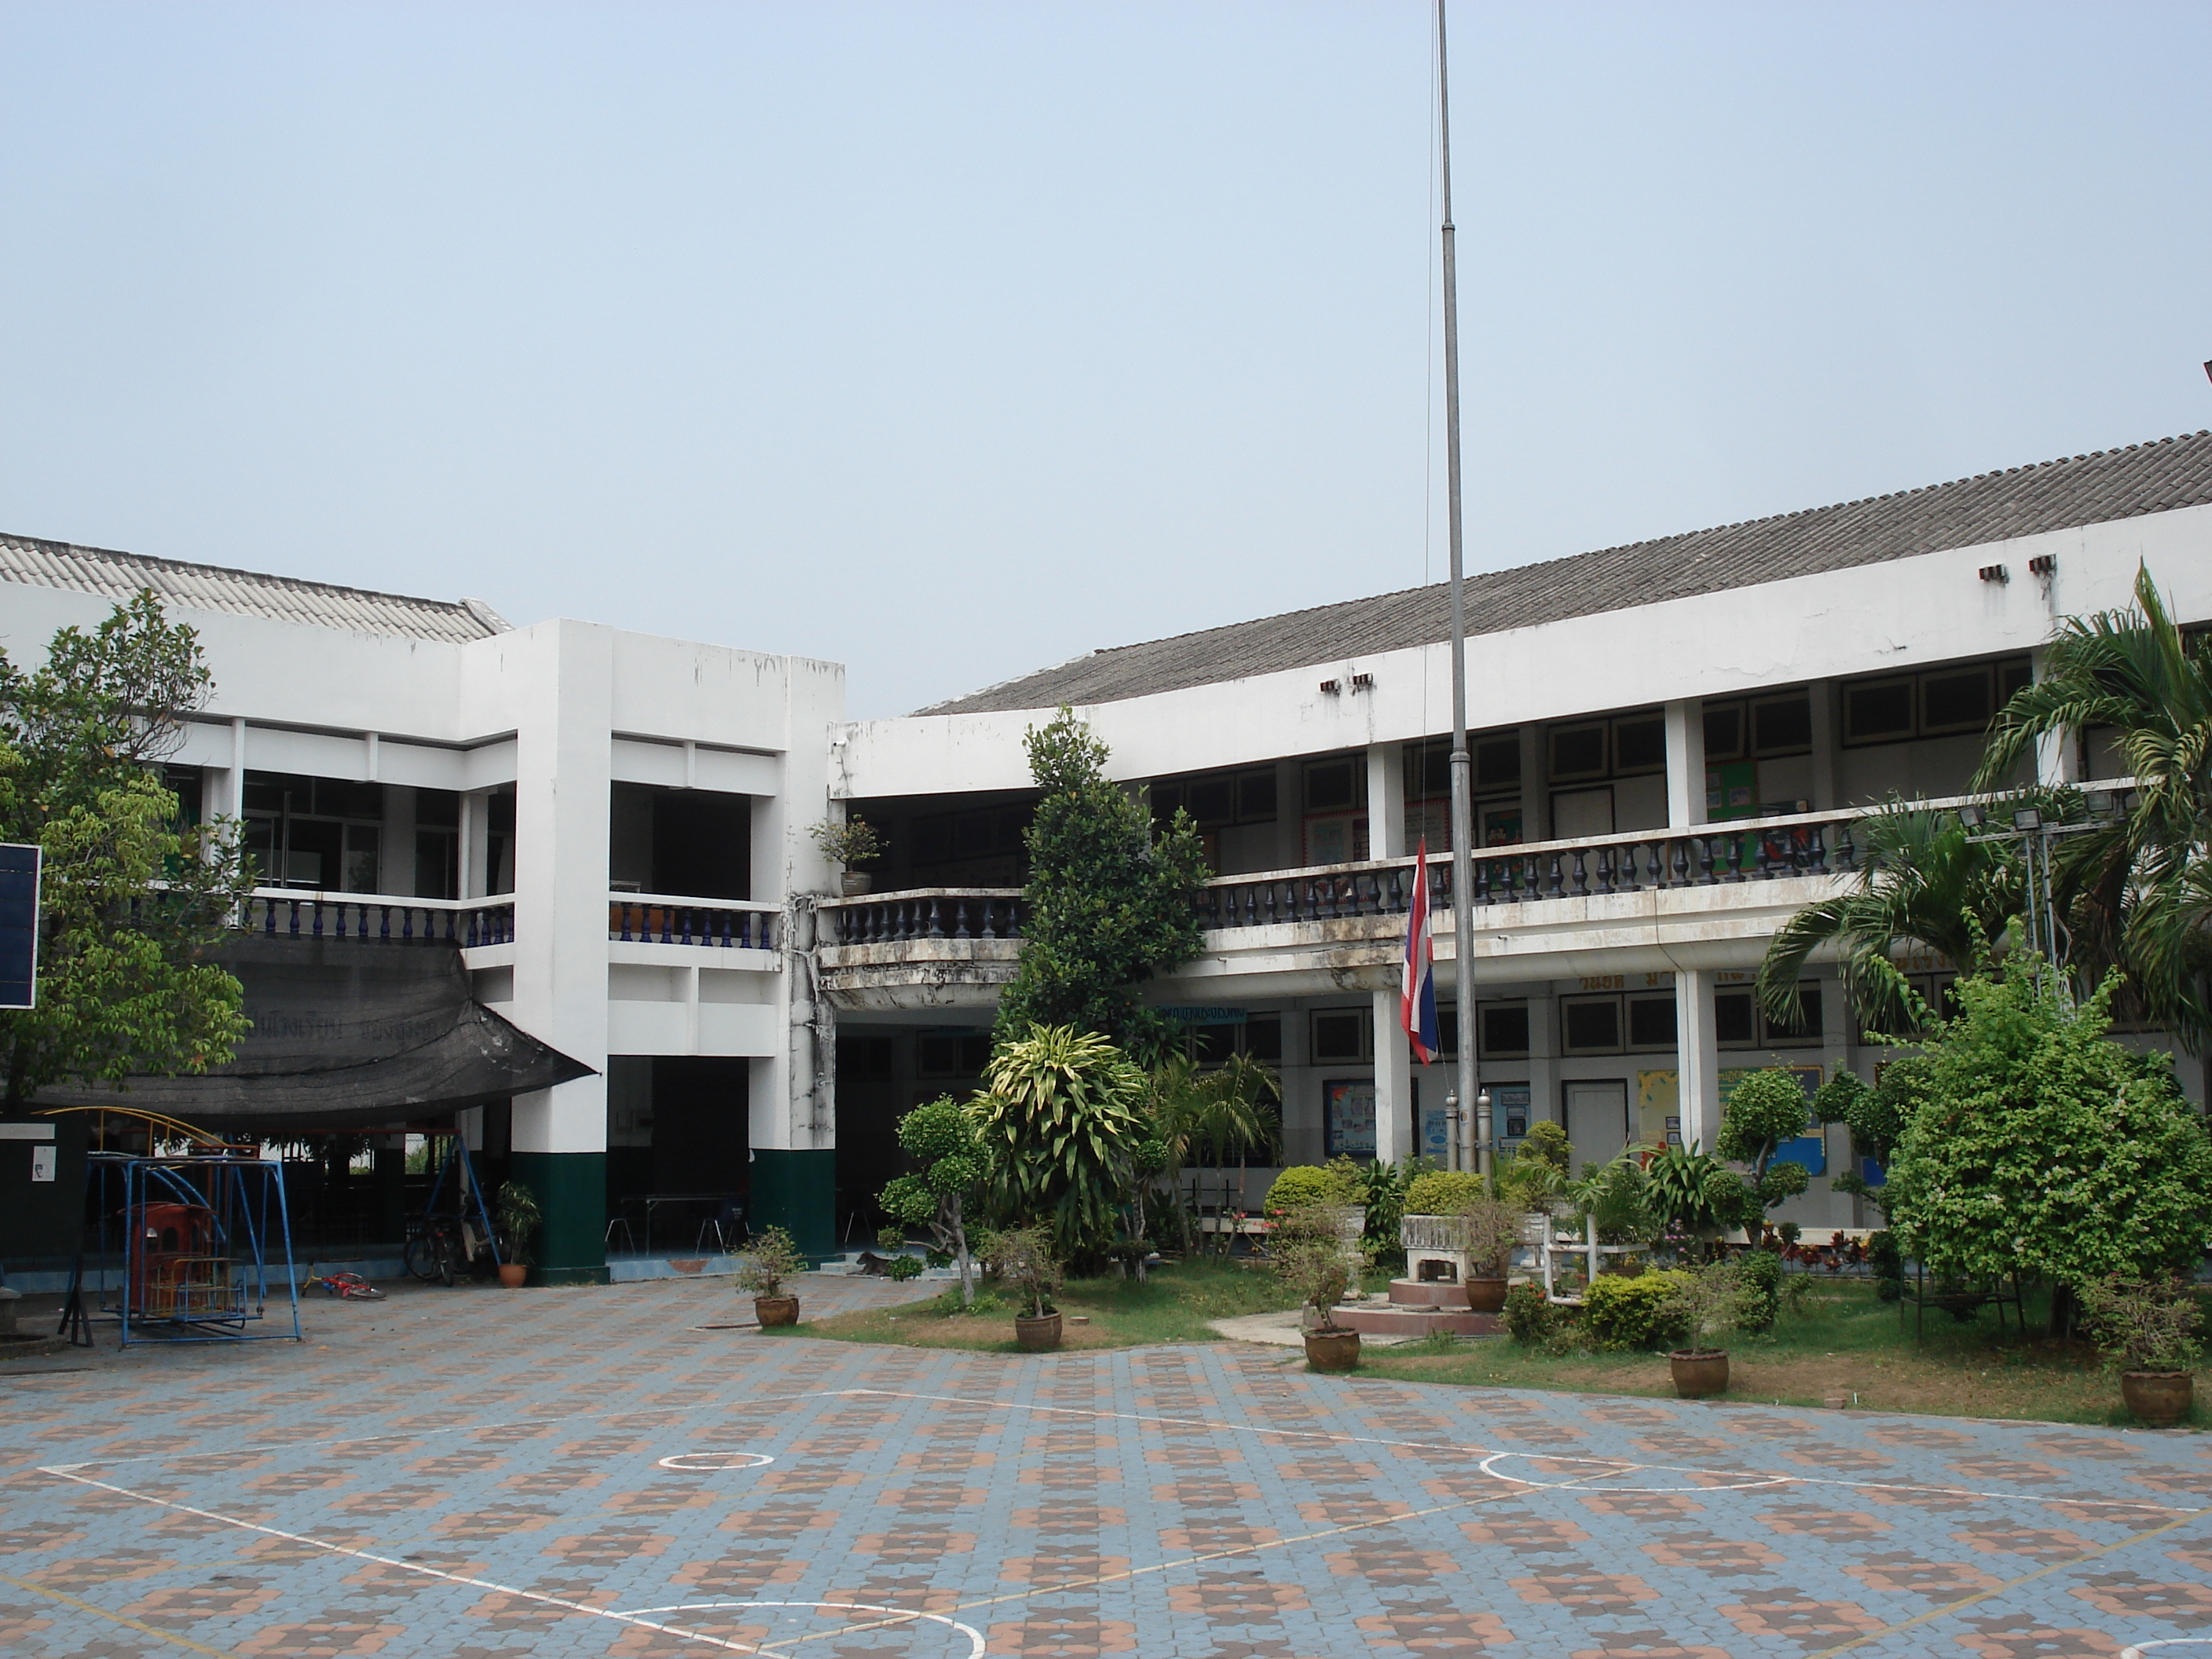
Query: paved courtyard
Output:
(471,1473)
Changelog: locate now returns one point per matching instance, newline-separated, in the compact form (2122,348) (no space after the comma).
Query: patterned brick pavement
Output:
(471,1473)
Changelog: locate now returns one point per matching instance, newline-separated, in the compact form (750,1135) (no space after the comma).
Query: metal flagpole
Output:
(1472,1102)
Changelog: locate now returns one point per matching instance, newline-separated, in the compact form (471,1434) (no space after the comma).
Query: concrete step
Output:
(1382,1320)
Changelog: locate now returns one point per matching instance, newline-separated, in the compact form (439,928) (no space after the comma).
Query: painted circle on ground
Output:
(2143,1650)
(869,1615)
(1586,1480)
(706,1463)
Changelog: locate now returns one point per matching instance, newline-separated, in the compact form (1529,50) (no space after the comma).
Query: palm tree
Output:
(1921,884)
(2139,894)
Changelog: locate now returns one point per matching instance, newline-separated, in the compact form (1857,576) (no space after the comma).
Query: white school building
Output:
(1672,742)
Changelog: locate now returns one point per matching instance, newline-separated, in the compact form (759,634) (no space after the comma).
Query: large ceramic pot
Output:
(512,1273)
(775,1309)
(1331,1350)
(1698,1375)
(857,882)
(1485,1295)
(2160,1399)
(1037,1333)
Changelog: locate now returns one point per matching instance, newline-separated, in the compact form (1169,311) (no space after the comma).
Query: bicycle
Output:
(440,1246)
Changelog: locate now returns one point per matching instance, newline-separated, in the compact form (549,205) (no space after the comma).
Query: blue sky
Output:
(951,340)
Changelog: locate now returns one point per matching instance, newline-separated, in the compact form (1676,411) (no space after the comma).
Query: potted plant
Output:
(1022,1258)
(1703,1307)
(853,841)
(2148,1329)
(770,1256)
(518,1218)
(1306,1247)
(1488,1228)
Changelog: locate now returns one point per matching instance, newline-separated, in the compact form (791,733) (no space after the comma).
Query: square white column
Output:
(1686,763)
(1385,801)
(1394,1095)
(1544,1100)
(1697,1061)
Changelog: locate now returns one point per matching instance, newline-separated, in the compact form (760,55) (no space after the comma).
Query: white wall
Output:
(1902,614)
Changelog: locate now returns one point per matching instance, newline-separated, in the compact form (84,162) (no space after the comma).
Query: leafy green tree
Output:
(1109,902)
(2042,1149)
(1058,1120)
(1690,1191)
(132,900)
(1876,1117)
(1920,885)
(942,1136)
(2139,893)
(1763,1110)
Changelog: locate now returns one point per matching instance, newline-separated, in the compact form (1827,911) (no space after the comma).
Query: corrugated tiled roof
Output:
(36,563)
(2021,500)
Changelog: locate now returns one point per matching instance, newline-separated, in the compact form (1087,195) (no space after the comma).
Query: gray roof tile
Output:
(31,562)
(2157,476)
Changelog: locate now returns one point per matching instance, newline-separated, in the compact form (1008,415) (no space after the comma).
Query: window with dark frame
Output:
(1955,700)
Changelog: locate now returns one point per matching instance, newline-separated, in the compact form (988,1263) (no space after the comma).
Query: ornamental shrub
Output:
(1305,1184)
(1442,1191)
(1629,1313)
(1530,1319)
(1763,1110)
(1759,1273)
(2041,1148)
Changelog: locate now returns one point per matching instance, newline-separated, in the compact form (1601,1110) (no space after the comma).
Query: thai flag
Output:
(1416,1002)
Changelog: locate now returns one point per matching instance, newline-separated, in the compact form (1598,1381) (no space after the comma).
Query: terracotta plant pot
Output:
(857,882)
(2160,1399)
(775,1310)
(512,1273)
(1485,1295)
(1332,1350)
(1698,1375)
(1037,1333)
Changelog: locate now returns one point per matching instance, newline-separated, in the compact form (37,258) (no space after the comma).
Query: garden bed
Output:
(1173,1306)
(1844,1344)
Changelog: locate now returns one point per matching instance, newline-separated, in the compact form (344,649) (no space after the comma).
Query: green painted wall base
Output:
(797,1191)
(570,1248)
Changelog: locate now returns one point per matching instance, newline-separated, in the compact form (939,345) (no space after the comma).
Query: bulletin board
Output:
(1348,1117)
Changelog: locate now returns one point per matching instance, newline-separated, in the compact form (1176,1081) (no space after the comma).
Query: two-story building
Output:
(1672,741)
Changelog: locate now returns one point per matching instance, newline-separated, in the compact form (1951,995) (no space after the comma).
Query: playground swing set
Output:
(189,1245)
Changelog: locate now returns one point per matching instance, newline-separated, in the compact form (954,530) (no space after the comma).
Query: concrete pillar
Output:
(792,1095)
(562,762)
(391,1180)
(1385,801)
(1697,1057)
(395,850)
(1394,1094)
(1536,790)
(1544,1099)
(2057,754)
(1821,693)
(1686,763)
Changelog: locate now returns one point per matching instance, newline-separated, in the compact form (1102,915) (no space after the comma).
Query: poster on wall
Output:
(1348,1116)
(1509,1107)
(1659,1123)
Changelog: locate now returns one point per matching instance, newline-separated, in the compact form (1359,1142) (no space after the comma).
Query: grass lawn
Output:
(1172,1305)
(1842,1342)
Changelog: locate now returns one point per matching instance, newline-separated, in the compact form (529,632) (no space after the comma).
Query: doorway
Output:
(1597,1120)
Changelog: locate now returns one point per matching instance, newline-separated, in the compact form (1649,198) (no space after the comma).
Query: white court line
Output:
(1553,1486)
(2141,1649)
(456,1428)
(1487,1452)
(561,1602)
(691,1463)
(899,1616)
